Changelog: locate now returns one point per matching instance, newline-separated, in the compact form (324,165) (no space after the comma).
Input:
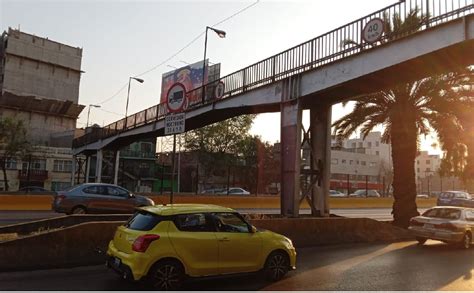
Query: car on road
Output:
(223,191)
(447,224)
(422,196)
(98,198)
(365,193)
(455,198)
(165,244)
(335,193)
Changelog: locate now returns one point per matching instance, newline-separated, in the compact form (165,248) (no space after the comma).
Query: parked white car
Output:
(335,193)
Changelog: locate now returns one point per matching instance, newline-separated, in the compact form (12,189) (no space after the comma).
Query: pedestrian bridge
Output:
(320,70)
(314,75)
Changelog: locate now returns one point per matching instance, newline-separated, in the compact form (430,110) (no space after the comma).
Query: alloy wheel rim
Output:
(277,266)
(80,211)
(167,277)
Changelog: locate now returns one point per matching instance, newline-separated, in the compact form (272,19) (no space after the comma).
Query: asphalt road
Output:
(399,266)
(381,214)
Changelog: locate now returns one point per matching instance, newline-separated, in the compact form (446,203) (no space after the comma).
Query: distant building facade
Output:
(39,84)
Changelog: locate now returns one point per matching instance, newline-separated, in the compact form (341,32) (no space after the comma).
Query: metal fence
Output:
(332,46)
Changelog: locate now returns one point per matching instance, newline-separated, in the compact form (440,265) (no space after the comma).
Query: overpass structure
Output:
(314,75)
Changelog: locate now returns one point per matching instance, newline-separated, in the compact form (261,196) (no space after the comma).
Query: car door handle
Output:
(225,239)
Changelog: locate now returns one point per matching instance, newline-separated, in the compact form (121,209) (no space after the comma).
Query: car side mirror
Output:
(253,229)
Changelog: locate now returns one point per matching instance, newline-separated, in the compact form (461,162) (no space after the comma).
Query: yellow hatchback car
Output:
(165,244)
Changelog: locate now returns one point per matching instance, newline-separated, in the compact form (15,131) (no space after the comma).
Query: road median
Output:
(43,202)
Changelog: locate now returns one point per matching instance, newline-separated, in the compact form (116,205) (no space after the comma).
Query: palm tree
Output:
(407,111)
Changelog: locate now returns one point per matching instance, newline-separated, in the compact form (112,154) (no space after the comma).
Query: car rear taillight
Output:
(447,226)
(142,242)
(414,222)
(59,197)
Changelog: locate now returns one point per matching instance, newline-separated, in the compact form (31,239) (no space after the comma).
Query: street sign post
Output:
(175,123)
(373,30)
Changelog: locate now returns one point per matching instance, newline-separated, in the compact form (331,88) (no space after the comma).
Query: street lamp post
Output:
(89,112)
(128,93)
(221,34)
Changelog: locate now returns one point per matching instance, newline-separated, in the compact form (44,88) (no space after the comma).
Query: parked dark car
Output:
(98,198)
(447,224)
(455,198)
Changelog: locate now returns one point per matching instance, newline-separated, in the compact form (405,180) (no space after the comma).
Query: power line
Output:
(115,113)
(180,50)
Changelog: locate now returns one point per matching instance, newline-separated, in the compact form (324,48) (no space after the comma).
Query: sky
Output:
(148,38)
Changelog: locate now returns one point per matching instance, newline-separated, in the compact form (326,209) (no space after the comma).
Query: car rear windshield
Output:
(449,214)
(143,221)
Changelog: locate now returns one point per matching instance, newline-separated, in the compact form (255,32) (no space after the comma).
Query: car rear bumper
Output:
(133,264)
(442,235)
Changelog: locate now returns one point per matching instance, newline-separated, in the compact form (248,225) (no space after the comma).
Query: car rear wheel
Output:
(466,241)
(168,275)
(79,210)
(421,240)
(276,266)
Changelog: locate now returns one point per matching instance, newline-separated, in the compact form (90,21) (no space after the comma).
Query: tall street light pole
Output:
(221,34)
(128,93)
(89,112)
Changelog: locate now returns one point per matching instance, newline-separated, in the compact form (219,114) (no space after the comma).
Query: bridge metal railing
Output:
(332,46)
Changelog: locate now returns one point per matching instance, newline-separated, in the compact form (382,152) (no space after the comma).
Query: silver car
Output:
(98,198)
(447,224)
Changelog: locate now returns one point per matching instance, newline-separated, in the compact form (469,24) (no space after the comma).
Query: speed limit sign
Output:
(373,30)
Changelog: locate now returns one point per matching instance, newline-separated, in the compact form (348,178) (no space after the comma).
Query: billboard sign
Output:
(190,76)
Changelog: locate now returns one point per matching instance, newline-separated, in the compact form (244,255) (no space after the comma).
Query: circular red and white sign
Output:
(176,98)
(373,30)
(219,90)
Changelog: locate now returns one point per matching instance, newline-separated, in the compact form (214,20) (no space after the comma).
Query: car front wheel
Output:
(79,211)
(276,266)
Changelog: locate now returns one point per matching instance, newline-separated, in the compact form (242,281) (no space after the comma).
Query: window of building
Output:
(62,166)
(363,163)
(369,144)
(37,164)
(417,162)
(428,170)
(60,186)
(428,162)
(334,161)
(351,162)
(418,170)
(353,144)
(372,164)
(377,143)
(360,144)
(343,161)
(377,153)
(11,164)
(357,162)
(146,147)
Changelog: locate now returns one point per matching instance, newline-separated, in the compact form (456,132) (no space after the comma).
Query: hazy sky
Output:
(126,38)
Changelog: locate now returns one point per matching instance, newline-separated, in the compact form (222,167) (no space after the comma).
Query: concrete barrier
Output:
(76,245)
(73,246)
(58,222)
(43,202)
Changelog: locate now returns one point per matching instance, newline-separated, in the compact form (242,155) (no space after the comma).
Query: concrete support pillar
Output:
(88,168)
(73,170)
(116,166)
(291,112)
(320,117)
(98,167)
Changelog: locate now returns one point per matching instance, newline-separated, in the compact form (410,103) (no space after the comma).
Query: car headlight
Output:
(152,202)
(289,241)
